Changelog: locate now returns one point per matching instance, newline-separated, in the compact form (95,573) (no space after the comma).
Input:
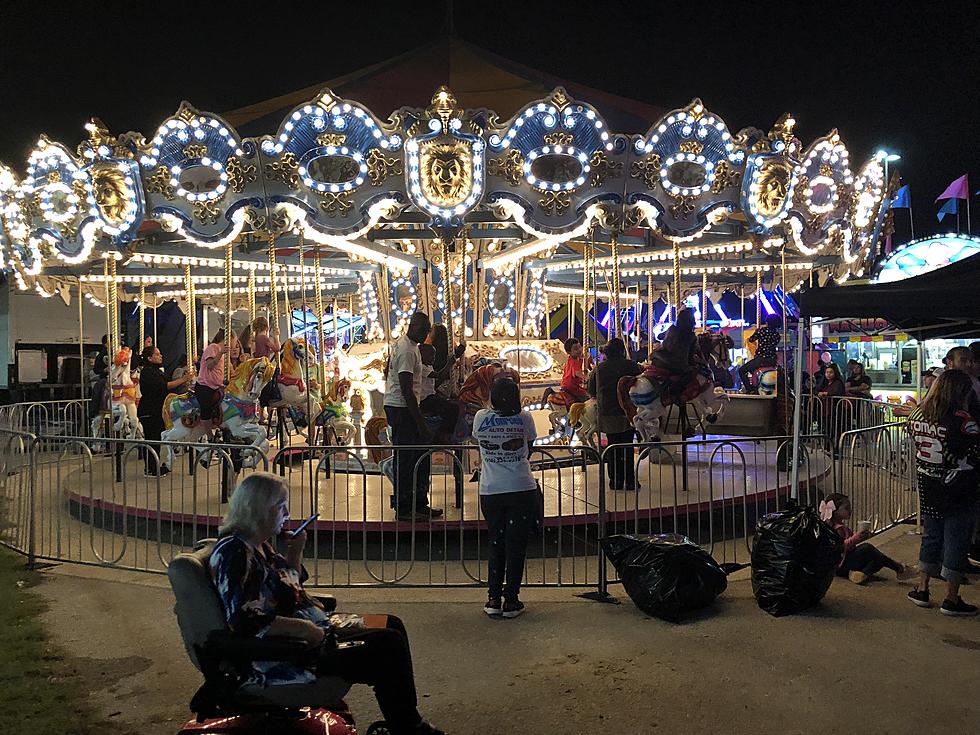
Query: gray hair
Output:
(250,502)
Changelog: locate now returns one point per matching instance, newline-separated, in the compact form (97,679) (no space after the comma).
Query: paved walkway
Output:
(866,660)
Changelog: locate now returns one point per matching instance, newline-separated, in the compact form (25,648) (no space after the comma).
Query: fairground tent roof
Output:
(477,77)
(941,303)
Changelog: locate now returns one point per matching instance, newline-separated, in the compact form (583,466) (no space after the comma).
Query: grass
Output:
(35,699)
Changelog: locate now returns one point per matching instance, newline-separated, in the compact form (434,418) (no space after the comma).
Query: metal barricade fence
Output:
(875,467)
(713,490)
(85,500)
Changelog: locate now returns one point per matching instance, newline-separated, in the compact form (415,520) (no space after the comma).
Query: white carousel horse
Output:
(291,381)
(333,414)
(238,413)
(648,401)
(584,417)
(125,397)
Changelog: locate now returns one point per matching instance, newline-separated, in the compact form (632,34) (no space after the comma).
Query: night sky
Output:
(899,75)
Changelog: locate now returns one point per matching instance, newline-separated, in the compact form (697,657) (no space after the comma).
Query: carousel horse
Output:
(474,394)
(559,402)
(238,413)
(290,380)
(655,391)
(333,414)
(584,418)
(125,397)
(716,350)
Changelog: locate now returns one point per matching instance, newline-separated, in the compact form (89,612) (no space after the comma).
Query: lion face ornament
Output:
(111,193)
(446,172)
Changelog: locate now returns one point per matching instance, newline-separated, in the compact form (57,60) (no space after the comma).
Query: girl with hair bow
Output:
(861,560)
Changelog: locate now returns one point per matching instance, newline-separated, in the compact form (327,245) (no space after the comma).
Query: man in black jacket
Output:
(101,370)
(154,388)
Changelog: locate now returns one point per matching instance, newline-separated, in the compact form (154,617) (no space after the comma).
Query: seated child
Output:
(861,560)
(573,379)
(431,403)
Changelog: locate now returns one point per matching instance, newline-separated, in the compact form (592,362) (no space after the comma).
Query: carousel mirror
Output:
(333,169)
(687,174)
(527,359)
(822,192)
(199,178)
(556,167)
(405,298)
(500,297)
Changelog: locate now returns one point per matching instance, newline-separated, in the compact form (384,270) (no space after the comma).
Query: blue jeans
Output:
(945,542)
(412,466)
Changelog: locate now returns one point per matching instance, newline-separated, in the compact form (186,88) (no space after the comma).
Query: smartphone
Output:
(302,526)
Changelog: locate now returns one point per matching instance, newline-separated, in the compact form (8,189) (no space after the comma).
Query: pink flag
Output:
(959,189)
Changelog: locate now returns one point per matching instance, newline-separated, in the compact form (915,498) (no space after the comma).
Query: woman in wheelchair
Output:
(262,595)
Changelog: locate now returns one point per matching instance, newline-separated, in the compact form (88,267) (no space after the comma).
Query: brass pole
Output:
(704,301)
(229,337)
(114,305)
(649,315)
(81,339)
(189,317)
(143,317)
(251,296)
(447,292)
(318,300)
(677,279)
(615,332)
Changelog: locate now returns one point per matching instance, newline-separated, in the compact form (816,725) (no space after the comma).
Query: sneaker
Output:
(512,609)
(430,512)
(918,598)
(857,577)
(493,608)
(955,608)
(907,574)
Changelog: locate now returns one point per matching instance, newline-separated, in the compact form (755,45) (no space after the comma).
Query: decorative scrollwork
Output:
(799,195)
(683,206)
(286,170)
(331,139)
(206,211)
(239,174)
(334,204)
(826,170)
(380,166)
(555,202)
(159,183)
(726,176)
(691,146)
(195,150)
(509,167)
(255,217)
(647,169)
(602,168)
(559,138)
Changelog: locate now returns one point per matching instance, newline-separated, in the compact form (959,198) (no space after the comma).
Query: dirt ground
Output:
(866,659)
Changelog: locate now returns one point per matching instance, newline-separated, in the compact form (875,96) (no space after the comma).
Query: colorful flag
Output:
(959,189)
(901,199)
(950,207)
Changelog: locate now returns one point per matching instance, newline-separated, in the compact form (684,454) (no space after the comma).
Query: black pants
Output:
(745,371)
(383,661)
(509,519)
(866,558)
(205,400)
(448,411)
(152,429)
(98,394)
(411,484)
(619,462)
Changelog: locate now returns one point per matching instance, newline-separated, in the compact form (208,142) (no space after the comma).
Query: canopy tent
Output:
(478,78)
(941,303)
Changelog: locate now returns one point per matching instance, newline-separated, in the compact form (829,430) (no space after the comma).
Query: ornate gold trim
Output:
(555,202)
(336,204)
(158,182)
(602,168)
(239,174)
(380,166)
(647,169)
(284,170)
(510,167)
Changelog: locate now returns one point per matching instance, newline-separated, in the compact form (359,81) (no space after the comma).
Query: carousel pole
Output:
(586,277)
(782,255)
(81,340)
(571,315)
(547,311)
(143,317)
(614,322)
(189,317)
(110,340)
(677,279)
(758,298)
(228,285)
(301,241)
(704,300)
(156,305)
(447,292)
(649,315)
(251,295)
(114,310)
(336,328)
(318,301)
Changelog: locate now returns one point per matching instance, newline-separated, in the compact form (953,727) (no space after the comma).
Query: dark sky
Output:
(903,75)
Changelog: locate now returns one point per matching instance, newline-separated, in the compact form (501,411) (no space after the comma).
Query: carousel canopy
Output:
(940,303)
(498,185)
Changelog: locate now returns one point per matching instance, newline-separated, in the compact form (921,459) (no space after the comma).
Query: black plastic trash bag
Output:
(665,576)
(794,560)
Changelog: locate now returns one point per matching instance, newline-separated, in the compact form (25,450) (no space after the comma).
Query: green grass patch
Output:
(35,699)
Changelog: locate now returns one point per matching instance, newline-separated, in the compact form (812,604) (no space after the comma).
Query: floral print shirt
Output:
(255,585)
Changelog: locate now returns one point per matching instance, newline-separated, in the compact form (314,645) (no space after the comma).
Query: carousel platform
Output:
(740,477)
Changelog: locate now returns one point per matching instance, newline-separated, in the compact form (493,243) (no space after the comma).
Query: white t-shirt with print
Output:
(405,358)
(503,448)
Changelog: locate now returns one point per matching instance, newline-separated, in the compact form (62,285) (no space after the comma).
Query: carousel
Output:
(513,233)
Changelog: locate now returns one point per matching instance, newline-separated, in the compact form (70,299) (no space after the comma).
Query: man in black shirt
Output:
(101,370)
(153,389)
(767,339)
(858,384)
